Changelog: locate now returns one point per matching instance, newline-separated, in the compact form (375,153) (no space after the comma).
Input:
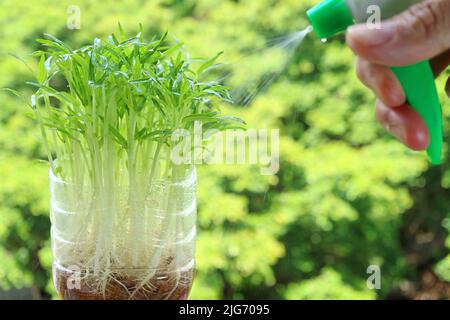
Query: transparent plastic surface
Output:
(117,243)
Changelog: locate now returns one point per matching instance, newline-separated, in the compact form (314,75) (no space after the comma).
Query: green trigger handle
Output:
(418,83)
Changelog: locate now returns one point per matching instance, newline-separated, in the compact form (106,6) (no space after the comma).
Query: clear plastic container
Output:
(113,243)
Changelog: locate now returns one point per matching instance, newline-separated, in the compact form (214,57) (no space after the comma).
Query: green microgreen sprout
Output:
(107,113)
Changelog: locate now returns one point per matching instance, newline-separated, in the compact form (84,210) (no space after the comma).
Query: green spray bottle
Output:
(331,17)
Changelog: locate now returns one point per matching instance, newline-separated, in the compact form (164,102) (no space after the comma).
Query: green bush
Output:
(346,196)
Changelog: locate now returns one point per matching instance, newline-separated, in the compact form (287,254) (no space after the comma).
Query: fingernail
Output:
(416,139)
(398,132)
(370,37)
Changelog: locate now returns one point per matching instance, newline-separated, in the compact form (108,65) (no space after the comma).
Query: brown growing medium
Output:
(162,286)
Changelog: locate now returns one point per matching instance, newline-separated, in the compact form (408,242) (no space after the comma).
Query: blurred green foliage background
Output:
(346,195)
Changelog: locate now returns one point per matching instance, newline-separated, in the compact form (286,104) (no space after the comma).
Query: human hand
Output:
(421,32)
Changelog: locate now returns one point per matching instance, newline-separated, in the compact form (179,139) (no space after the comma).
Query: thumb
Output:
(419,33)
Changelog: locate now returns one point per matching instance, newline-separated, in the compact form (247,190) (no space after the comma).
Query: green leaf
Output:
(203,117)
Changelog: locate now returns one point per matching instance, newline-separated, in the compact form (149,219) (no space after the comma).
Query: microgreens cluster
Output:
(108,110)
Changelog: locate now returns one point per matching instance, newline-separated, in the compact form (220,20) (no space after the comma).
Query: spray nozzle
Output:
(330,17)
